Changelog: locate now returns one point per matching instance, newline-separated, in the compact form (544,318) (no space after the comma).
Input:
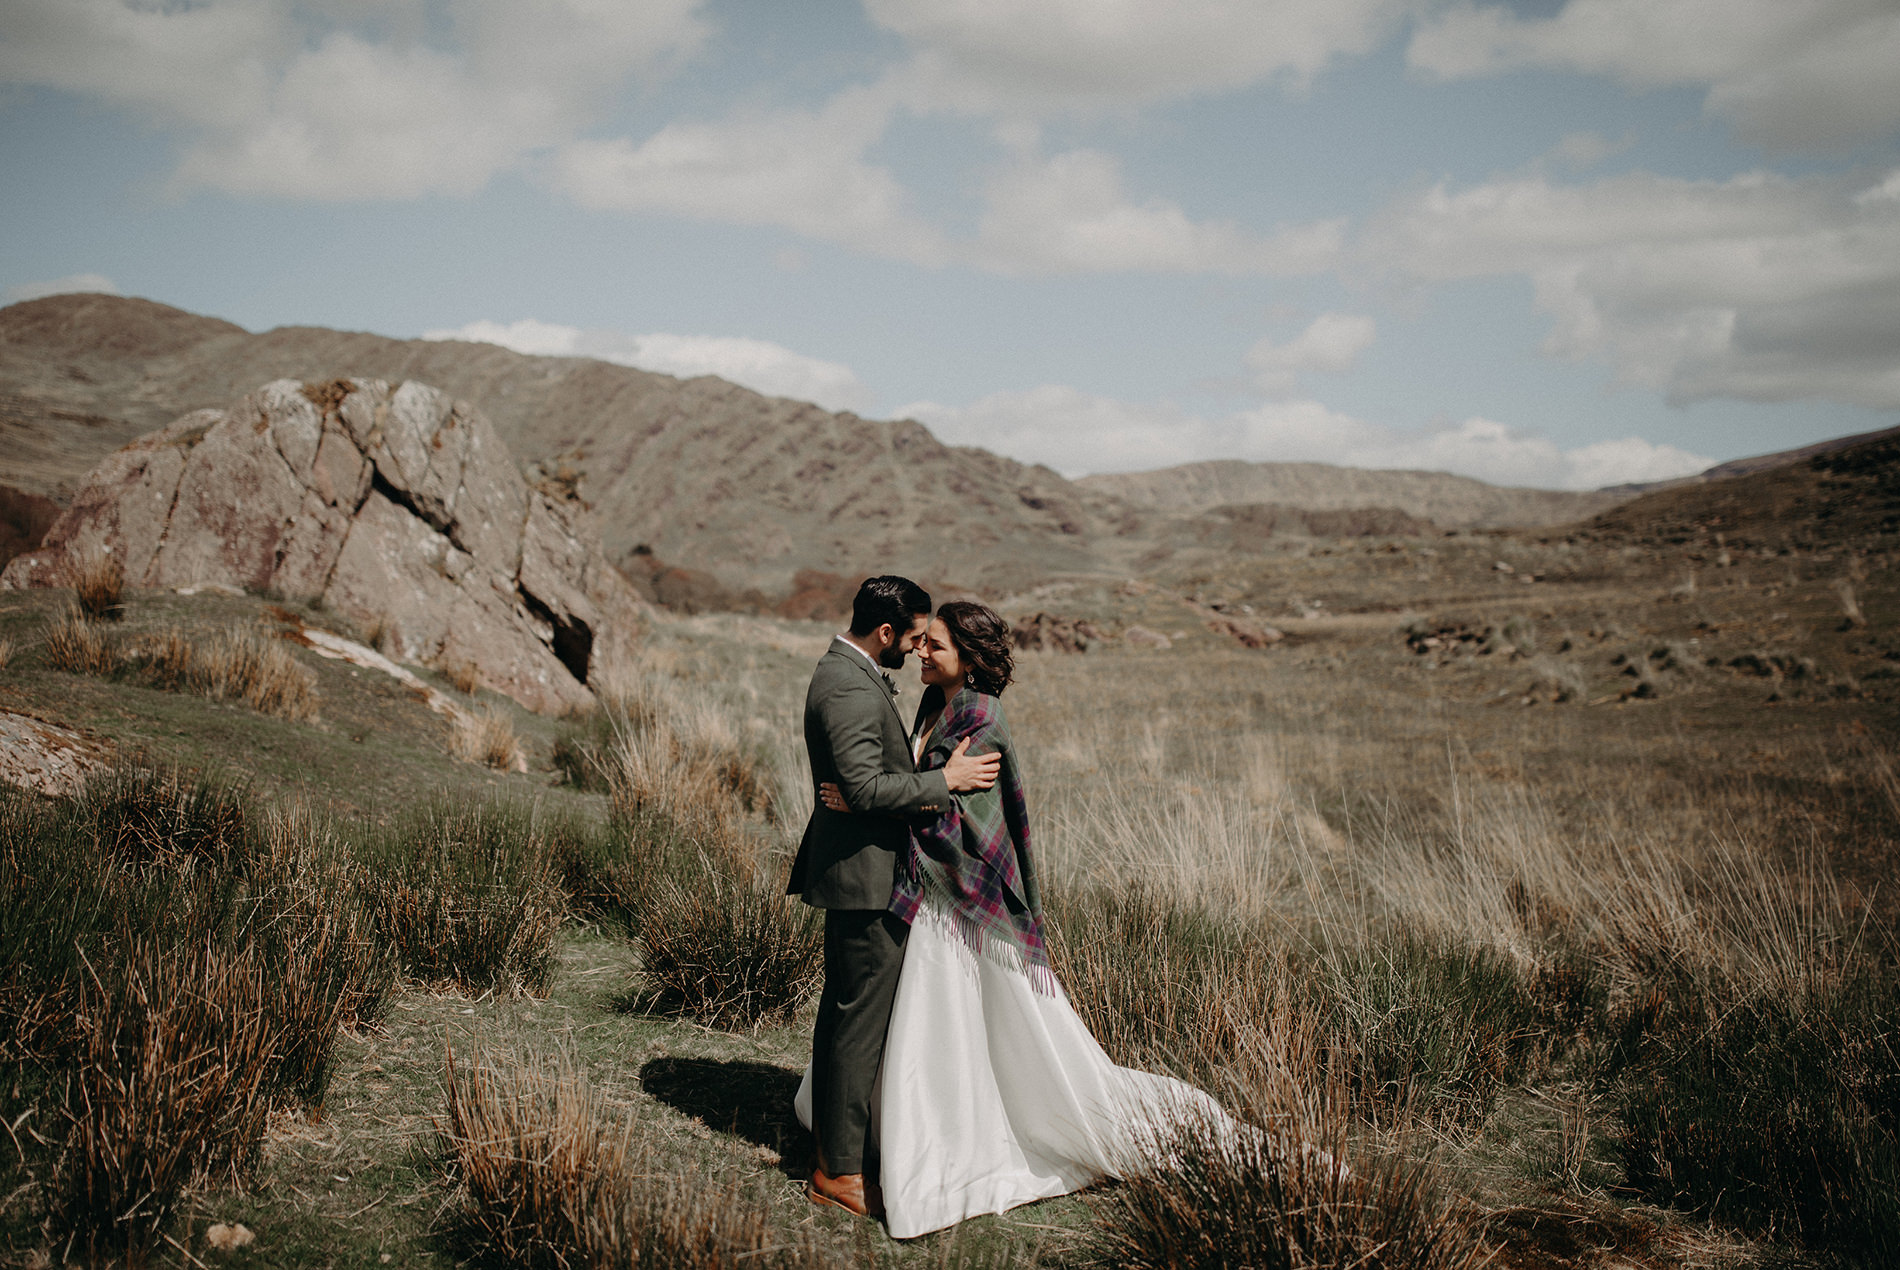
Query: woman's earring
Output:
(970,679)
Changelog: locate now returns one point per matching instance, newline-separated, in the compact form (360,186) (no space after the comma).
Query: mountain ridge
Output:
(1453,502)
(709,475)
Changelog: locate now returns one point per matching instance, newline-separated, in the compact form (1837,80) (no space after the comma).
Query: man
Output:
(847,863)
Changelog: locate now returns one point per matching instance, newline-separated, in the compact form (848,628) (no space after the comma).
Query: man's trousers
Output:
(864,951)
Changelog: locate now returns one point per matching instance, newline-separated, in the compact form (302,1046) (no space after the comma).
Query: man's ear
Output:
(886,635)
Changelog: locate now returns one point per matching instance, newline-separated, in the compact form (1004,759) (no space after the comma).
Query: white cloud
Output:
(1493,452)
(1070,430)
(1763,287)
(1332,342)
(345,101)
(1587,149)
(759,365)
(808,171)
(805,171)
(1790,74)
(1069,213)
(1079,433)
(72,282)
(1007,57)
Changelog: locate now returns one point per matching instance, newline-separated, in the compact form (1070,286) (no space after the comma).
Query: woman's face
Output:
(942,665)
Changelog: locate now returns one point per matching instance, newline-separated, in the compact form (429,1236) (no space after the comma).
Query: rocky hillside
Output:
(705,473)
(397,508)
(1453,502)
(1833,498)
(743,492)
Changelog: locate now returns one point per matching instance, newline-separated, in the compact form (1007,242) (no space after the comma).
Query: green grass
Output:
(1426,860)
(1778,1111)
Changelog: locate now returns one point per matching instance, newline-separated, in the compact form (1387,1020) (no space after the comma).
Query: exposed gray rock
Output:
(1047,633)
(395,506)
(45,757)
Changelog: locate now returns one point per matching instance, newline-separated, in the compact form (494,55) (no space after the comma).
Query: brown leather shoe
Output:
(847,1191)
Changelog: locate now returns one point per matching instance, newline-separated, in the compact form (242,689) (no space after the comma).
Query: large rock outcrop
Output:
(393,505)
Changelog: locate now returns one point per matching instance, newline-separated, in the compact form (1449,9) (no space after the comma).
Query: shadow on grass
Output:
(749,1100)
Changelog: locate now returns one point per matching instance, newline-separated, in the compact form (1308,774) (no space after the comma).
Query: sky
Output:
(1560,243)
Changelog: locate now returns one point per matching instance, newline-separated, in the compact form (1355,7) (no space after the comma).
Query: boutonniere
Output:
(890,683)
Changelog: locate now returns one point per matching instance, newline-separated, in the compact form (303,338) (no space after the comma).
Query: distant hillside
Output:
(1454,502)
(1836,497)
(709,475)
(713,477)
(1783,458)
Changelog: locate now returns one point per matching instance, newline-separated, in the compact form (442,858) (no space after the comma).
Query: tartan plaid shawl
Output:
(974,858)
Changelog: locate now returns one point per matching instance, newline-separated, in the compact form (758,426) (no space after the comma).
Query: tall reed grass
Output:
(98,583)
(231,664)
(178,962)
(467,895)
(731,952)
(554,1178)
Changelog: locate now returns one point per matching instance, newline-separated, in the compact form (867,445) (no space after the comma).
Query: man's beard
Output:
(892,658)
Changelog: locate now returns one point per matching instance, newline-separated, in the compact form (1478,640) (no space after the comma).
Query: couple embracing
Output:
(950,1076)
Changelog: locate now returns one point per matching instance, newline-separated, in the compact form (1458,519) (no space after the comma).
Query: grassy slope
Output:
(1344,707)
(364,1179)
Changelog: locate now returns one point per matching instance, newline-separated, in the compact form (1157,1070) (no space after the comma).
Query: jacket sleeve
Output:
(853,723)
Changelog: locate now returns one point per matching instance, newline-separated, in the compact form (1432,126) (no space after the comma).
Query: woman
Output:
(992,1093)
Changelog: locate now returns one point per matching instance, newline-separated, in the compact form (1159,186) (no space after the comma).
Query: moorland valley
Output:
(1532,849)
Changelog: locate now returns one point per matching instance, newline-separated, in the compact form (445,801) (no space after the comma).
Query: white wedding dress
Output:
(993,1094)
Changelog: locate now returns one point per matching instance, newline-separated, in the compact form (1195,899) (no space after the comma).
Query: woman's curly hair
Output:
(982,640)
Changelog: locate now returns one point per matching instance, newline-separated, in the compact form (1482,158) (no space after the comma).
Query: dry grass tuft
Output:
(462,676)
(76,646)
(6,653)
(730,952)
(468,895)
(552,1181)
(238,665)
(177,966)
(98,583)
(175,1048)
(486,736)
(678,754)
(234,664)
(1293,1187)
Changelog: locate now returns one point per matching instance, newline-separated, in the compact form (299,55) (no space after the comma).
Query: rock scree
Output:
(392,505)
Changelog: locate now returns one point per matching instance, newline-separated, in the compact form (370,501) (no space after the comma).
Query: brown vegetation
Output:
(1298,1185)
(232,664)
(77,646)
(98,583)
(554,1178)
(177,966)
(485,736)
(463,677)
(731,952)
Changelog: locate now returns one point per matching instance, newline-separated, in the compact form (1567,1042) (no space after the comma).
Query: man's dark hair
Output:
(887,598)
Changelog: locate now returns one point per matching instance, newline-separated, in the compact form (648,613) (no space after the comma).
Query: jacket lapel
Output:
(863,663)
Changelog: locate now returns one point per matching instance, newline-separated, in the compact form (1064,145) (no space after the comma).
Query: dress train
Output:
(993,1094)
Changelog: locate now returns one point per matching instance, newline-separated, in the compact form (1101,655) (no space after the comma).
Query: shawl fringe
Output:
(987,942)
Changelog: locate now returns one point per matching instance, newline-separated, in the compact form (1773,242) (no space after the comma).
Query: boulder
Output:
(1047,633)
(1250,634)
(394,506)
(47,758)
